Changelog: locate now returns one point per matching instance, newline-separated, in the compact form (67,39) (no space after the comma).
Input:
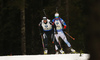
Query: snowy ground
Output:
(47,57)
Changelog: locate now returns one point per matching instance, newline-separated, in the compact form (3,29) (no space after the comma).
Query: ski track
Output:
(47,57)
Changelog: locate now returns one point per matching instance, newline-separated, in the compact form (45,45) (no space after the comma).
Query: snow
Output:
(47,57)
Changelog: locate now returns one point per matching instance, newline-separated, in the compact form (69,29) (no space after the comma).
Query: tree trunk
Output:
(23,36)
(1,41)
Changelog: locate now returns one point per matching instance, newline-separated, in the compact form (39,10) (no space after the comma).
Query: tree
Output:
(20,4)
(23,38)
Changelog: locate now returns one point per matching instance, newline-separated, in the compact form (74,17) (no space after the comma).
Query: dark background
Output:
(81,16)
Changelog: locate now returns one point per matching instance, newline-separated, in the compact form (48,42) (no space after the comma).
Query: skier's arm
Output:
(62,21)
(53,20)
(54,27)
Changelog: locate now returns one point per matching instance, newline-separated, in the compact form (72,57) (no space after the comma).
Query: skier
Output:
(47,31)
(59,22)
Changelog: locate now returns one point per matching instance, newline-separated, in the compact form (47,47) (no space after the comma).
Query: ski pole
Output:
(42,42)
(70,36)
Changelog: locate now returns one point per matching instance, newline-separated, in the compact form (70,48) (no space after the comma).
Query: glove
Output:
(65,27)
(52,42)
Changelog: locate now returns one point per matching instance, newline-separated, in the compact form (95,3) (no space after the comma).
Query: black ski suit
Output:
(48,33)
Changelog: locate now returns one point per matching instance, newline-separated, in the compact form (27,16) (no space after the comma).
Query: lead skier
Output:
(59,22)
(47,31)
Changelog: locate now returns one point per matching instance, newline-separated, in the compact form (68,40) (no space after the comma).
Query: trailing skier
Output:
(59,22)
(47,31)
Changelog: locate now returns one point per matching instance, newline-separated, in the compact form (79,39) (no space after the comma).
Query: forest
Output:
(19,19)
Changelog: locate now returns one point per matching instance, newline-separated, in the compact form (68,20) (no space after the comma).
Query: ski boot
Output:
(61,51)
(45,51)
(57,51)
(73,51)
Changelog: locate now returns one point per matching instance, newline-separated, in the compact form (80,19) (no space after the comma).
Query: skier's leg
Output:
(55,41)
(66,41)
(56,49)
(56,38)
(62,35)
(57,46)
(45,43)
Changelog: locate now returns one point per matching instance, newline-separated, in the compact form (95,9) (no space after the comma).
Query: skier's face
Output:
(45,21)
